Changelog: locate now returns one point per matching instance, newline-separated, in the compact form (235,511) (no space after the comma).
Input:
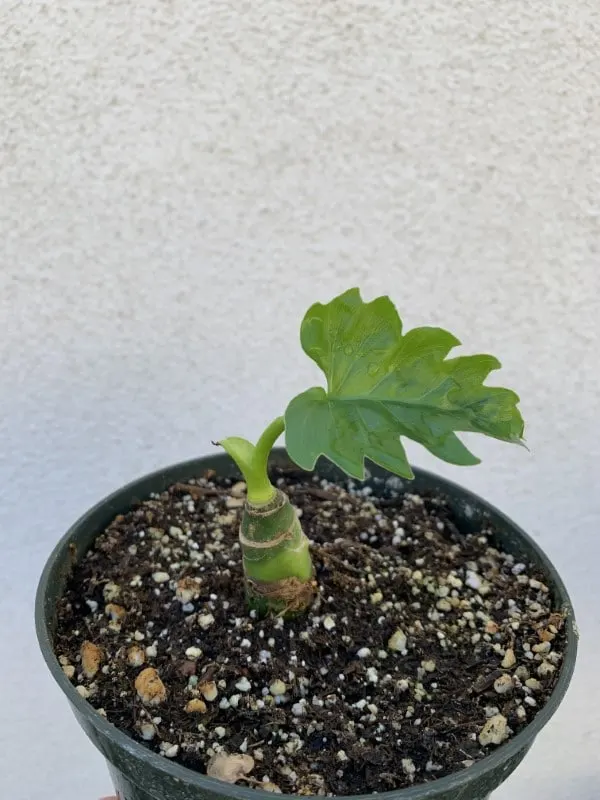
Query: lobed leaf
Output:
(383,384)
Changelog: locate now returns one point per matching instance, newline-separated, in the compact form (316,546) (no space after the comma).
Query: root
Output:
(287,596)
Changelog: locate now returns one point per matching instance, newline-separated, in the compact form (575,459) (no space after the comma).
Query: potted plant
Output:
(267,620)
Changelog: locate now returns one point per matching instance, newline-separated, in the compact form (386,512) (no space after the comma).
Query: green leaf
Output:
(383,384)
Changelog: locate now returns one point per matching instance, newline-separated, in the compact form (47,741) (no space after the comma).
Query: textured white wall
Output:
(180,179)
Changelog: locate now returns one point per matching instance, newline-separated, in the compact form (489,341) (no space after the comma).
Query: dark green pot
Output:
(140,774)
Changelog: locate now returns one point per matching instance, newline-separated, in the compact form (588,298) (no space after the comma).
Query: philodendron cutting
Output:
(382,384)
(317,628)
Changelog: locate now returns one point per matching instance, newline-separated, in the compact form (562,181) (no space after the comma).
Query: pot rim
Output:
(455,781)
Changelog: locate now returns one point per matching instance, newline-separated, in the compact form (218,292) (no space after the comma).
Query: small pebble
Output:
(187,590)
(193,652)
(364,652)
(196,706)
(115,612)
(545,669)
(503,684)
(522,673)
(151,690)
(208,689)
(495,731)
(243,685)
(509,659)
(534,685)
(329,623)
(135,656)
(542,647)
(454,581)
(229,768)
(161,577)
(91,657)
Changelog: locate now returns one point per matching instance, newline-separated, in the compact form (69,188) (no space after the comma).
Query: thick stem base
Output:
(277,563)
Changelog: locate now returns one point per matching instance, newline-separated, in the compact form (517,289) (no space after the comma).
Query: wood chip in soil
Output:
(424,650)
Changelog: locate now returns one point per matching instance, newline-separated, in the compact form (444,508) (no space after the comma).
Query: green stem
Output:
(266,441)
(253,460)
(276,556)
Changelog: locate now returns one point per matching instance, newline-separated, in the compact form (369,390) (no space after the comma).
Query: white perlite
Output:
(408,767)
(298,709)
(110,592)
(372,675)
(277,688)
(161,577)
(169,750)
(329,623)
(473,580)
(147,731)
(397,641)
(495,731)
(243,685)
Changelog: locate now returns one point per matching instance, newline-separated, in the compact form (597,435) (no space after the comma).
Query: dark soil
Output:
(325,703)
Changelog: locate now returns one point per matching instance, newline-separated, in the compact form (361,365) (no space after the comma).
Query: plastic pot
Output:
(140,774)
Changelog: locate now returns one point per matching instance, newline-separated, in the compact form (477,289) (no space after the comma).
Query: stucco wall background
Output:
(179,180)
